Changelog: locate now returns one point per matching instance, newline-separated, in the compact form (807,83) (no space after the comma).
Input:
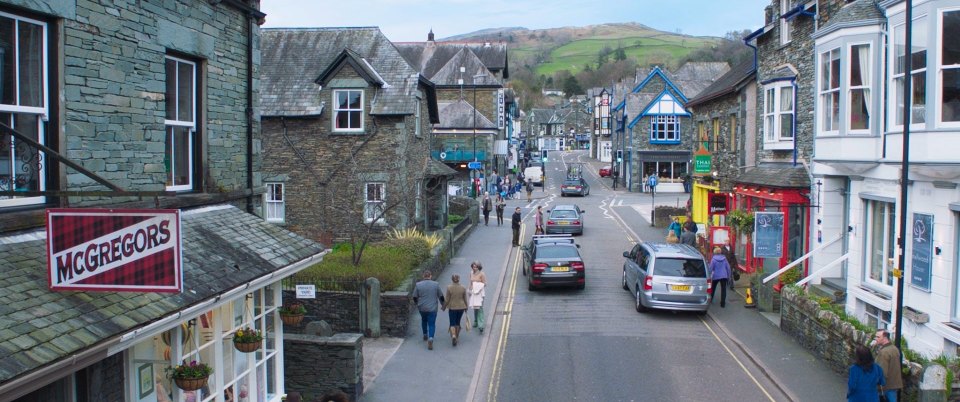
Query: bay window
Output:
(918,72)
(23,106)
(778,112)
(860,79)
(830,91)
(949,65)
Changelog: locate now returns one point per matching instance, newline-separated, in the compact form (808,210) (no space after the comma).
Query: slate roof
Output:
(430,57)
(294,58)
(780,176)
(637,102)
(853,14)
(435,168)
(693,77)
(224,247)
(461,114)
(782,73)
(475,73)
(727,83)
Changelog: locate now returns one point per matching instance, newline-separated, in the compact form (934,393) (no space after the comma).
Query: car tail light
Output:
(577,266)
(539,267)
(709,288)
(576,222)
(549,222)
(578,187)
(648,283)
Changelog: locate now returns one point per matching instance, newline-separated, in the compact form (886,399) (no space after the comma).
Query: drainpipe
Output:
(250,22)
(793,83)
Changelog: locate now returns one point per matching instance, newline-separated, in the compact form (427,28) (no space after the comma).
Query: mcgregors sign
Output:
(114,250)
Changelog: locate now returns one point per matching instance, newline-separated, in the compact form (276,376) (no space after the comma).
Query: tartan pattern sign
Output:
(116,250)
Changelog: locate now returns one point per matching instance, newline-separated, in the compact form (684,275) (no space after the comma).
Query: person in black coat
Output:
(515,224)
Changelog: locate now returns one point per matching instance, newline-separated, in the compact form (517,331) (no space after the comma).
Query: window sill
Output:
(341,132)
(665,142)
(778,146)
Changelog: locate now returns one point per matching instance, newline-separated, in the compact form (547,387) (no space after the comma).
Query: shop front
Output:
(141,292)
(788,242)
(670,167)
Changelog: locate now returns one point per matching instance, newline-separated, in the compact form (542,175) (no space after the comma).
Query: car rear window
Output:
(563,214)
(557,252)
(571,182)
(686,268)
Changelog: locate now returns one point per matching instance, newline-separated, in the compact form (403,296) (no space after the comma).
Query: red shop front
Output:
(794,204)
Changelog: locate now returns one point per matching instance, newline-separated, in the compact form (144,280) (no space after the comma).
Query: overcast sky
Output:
(410,20)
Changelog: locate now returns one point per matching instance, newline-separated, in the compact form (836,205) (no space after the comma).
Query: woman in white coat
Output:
(476,293)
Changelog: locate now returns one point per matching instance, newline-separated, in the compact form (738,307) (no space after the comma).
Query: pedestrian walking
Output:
(720,269)
(428,297)
(477,292)
(688,237)
(538,221)
(515,225)
(690,224)
(734,264)
(529,190)
(866,378)
(456,301)
(487,205)
(888,358)
(494,182)
(501,205)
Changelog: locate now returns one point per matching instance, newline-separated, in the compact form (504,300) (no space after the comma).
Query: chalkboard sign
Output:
(922,255)
(768,234)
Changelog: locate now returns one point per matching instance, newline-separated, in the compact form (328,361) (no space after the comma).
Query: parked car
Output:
(577,186)
(606,171)
(551,260)
(564,219)
(667,276)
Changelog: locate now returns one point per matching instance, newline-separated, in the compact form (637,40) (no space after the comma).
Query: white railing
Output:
(823,269)
(801,259)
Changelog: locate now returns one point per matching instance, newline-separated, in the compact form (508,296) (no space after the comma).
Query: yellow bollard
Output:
(749,302)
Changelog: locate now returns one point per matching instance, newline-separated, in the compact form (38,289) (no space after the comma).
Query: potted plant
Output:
(292,314)
(741,220)
(788,277)
(247,339)
(190,377)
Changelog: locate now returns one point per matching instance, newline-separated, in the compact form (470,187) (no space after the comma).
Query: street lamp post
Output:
(904,174)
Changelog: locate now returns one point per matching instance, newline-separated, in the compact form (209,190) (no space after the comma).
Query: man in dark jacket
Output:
(515,224)
(888,357)
(688,237)
(428,297)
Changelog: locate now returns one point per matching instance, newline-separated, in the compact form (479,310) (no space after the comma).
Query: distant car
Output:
(667,276)
(564,219)
(534,173)
(553,261)
(606,171)
(577,186)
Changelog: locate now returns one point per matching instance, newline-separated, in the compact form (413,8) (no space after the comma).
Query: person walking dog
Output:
(428,297)
(457,303)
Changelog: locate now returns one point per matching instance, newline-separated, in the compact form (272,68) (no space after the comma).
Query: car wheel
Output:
(623,282)
(640,307)
(530,287)
(582,286)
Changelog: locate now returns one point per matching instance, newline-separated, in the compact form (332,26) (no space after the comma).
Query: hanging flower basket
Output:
(247,339)
(292,314)
(190,384)
(247,347)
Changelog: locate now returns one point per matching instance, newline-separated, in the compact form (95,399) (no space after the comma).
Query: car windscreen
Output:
(560,252)
(680,267)
(563,214)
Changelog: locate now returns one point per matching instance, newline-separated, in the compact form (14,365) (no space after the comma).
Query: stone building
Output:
(469,79)
(725,117)
(347,133)
(141,117)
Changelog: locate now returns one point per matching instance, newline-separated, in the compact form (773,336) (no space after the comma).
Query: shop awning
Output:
(664,156)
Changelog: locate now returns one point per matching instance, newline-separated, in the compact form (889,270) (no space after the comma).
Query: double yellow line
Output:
(505,325)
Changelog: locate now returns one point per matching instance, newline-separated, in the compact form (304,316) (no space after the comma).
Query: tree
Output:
(571,86)
(620,54)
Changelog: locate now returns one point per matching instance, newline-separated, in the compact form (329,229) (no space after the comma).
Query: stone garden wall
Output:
(314,365)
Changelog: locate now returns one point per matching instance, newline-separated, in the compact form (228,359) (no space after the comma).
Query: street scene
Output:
(301,201)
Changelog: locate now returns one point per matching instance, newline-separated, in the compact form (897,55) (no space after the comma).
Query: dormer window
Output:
(347,110)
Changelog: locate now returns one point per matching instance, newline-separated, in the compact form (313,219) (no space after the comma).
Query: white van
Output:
(534,173)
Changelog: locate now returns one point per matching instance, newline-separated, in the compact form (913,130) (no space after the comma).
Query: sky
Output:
(410,20)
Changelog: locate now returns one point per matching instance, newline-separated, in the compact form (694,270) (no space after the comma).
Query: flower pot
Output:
(291,319)
(247,347)
(190,384)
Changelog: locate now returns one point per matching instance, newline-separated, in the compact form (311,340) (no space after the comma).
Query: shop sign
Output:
(501,112)
(702,162)
(768,234)
(719,203)
(116,250)
(922,251)
(306,291)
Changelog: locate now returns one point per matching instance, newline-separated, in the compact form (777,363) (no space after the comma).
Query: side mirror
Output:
(578,246)
(524,248)
(626,254)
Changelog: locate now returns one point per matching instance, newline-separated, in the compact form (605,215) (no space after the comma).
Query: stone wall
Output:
(314,365)
(819,331)
(726,154)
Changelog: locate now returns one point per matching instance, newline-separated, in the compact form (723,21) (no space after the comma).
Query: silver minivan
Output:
(667,276)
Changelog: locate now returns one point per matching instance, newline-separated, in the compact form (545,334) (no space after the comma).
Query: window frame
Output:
(938,84)
(279,213)
(335,110)
(170,126)
(866,86)
(42,112)
(830,118)
(715,128)
(417,129)
(670,132)
(894,101)
(785,26)
(367,203)
(888,240)
(774,140)
(734,121)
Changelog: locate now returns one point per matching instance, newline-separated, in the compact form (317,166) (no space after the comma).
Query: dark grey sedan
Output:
(577,186)
(564,219)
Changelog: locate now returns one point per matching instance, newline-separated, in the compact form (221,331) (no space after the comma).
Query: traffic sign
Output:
(652,181)
(474,165)
(443,155)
